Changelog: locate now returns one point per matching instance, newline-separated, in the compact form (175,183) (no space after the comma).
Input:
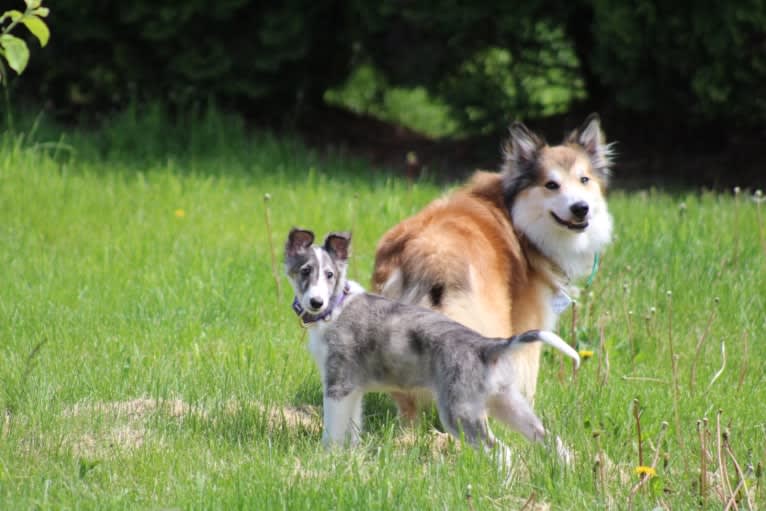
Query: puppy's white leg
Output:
(356,419)
(513,409)
(342,419)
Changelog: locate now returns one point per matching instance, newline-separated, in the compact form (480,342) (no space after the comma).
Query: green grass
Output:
(109,294)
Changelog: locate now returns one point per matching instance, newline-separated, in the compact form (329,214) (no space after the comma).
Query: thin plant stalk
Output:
(354,209)
(573,343)
(274,272)
(745,360)
(674,369)
(693,376)
(530,501)
(603,352)
(644,378)
(628,318)
(724,473)
(723,366)
(703,462)
(646,477)
(740,474)
(600,463)
(637,416)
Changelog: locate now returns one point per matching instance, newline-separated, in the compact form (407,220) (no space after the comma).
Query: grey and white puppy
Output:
(364,342)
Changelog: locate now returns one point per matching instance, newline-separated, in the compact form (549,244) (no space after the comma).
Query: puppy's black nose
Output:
(316,302)
(579,209)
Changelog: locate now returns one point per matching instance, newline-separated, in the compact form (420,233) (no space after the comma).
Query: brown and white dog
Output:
(499,254)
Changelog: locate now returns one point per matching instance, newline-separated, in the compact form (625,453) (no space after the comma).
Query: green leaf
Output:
(33,4)
(42,12)
(38,28)
(16,52)
(14,15)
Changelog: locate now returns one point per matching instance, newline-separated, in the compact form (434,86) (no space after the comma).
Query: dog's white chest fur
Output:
(318,347)
(317,343)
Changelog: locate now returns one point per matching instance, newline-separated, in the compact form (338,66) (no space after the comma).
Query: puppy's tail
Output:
(497,349)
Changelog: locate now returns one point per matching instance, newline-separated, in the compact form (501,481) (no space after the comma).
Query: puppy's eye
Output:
(306,271)
(552,185)
(584,180)
(329,274)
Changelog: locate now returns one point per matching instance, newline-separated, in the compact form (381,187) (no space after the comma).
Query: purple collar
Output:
(307,319)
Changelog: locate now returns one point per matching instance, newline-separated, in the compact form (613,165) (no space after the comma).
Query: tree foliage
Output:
(488,61)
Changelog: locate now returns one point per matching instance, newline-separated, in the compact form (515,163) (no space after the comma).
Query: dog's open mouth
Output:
(570,225)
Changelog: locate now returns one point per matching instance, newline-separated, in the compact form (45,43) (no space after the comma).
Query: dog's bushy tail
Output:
(498,349)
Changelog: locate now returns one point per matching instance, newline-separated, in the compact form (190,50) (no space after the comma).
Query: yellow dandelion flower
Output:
(585,354)
(643,470)
(180,213)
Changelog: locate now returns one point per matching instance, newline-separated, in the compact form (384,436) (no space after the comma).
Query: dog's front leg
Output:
(342,418)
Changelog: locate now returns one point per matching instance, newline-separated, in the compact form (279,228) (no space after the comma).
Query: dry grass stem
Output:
(572,342)
(674,373)
(637,416)
(530,502)
(274,270)
(603,354)
(745,359)
(703,462)
(742,484)
(724,473)
(600,463)
(693,377)
(723,366)
(644,378)
(645,477)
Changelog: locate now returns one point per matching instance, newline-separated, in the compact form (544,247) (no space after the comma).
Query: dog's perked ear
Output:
(523,146)
(520,169)
(338,244)
(298,241)
(591,138)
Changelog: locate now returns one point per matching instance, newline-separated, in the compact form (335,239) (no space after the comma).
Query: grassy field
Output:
(149,360)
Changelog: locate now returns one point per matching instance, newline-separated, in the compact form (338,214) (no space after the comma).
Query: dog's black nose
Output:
(316,302)
(579,209)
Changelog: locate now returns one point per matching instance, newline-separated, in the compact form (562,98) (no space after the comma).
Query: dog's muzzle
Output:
(572,226)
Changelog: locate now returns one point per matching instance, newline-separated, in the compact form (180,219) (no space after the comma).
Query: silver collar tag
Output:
(560,302)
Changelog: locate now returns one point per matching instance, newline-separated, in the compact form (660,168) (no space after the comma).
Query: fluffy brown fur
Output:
(461,254)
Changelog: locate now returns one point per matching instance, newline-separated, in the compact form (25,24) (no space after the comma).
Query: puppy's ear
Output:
(298,241)
(523,146)
(591,138)
(338,244)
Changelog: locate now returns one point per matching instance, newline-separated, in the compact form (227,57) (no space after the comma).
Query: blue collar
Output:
(307,319)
